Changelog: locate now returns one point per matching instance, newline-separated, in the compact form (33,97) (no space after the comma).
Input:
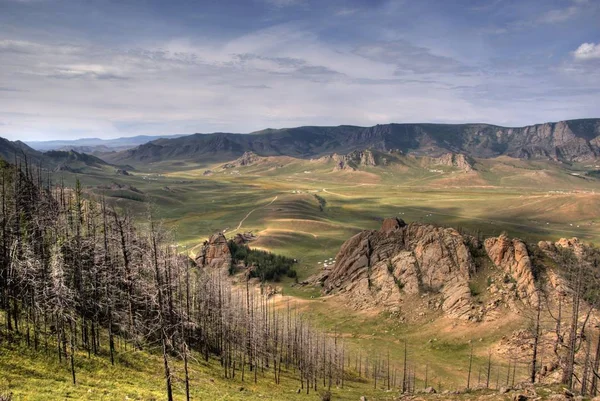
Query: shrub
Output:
(474,290)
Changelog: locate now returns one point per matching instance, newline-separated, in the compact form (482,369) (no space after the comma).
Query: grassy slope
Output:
(138,375)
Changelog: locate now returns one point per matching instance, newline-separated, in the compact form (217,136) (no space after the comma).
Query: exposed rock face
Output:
(381,268)
(363,158)
(572,244)
(457,160)
(247,159)
(392,224)
(553,251)
(215,253)
(352,160)
(512,257)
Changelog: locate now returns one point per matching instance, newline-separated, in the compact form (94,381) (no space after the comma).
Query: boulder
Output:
(215,253)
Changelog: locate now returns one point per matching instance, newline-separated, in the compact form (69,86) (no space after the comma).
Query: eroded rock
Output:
(512,257)
(383,267)
(215,253)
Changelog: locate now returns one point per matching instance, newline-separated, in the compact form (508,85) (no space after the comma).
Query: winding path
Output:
(252,211)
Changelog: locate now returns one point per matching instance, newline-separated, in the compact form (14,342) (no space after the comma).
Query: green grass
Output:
(138,375)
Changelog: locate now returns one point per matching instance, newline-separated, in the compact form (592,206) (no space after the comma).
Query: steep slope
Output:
(574,140)
(9,151)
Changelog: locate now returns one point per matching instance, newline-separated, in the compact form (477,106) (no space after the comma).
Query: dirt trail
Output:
(250,212)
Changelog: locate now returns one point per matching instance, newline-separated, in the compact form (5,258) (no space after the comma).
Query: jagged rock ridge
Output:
(386,267)
(381,267)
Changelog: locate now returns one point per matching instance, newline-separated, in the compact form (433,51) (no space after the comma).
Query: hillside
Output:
(568,141)
(53,160)
(95,144)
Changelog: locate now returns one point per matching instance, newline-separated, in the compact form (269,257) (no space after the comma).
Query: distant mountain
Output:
(90,145)
(572,140)
(54,160)
(11,151)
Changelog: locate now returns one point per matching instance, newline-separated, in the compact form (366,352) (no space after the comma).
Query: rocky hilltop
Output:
(400,263)
(572,140)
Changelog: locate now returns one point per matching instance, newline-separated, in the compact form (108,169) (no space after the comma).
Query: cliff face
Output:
(383,267)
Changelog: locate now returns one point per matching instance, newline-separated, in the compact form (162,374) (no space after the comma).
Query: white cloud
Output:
(587,51)
(343,12)
(559,15)
(284,3)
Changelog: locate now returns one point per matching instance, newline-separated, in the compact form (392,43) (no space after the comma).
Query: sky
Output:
(112,68)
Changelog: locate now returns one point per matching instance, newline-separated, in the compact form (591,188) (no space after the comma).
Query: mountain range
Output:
(566,141)
(56,160)
(90,145)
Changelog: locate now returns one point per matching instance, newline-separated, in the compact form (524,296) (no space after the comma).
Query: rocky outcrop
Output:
(384,267)
(244,238)
(392,224)
(215,253)
(457,160)
(513,258)
(352,160)
(247,159)
(572,244)
(553,250)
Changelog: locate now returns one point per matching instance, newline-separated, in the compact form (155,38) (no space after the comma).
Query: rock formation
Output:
(387,268)
(381,268)
(352,160)
(457,160)
(247,159)
(215,253)
(513,258)
(244,238)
